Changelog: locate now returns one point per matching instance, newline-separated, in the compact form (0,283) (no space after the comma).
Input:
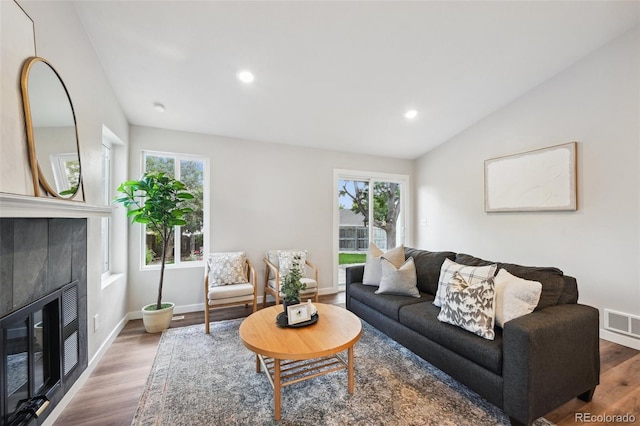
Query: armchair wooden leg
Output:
(206,317)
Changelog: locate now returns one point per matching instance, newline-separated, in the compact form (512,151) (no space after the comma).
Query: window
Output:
(357,225)
(106,199)
(188,242)
(113,227)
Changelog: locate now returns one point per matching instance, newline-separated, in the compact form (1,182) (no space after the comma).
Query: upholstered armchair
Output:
(229,279)
(278,263)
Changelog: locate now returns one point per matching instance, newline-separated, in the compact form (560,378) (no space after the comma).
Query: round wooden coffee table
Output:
(309,351)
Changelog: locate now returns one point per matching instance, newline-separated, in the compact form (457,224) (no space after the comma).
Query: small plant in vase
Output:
(292,285)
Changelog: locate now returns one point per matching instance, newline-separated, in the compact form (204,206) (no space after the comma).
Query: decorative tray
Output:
(282,321)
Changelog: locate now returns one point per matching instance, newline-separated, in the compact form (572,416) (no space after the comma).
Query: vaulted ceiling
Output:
(339,74)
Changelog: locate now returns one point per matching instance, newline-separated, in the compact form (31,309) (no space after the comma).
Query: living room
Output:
(264,194)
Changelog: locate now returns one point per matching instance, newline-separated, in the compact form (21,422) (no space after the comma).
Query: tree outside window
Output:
(188,241)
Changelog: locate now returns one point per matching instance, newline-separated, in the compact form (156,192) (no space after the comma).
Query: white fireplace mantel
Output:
(13,205)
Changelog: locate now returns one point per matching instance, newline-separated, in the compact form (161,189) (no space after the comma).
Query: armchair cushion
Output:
(227,268)
(230,291)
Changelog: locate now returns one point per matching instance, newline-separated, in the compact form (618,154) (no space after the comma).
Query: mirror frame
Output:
(36,172)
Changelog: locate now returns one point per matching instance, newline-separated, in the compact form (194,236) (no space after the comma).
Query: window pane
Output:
(353,202)
(153,242)
(386,214)
(191,234)
(106,198)
(155,163)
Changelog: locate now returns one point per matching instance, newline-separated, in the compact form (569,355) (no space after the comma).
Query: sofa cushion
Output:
(422,318)
(552,279)
(400,281)
(470,306)
(373,267)
(428,265)
(387,304)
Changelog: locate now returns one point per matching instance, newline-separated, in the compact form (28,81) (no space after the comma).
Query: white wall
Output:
(596,103)
(263,196)
(62,41)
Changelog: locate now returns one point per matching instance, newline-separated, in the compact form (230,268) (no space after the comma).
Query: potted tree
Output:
(157,201)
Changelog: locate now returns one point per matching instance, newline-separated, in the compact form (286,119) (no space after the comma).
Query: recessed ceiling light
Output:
(245,76)
(412,113)
(158,107)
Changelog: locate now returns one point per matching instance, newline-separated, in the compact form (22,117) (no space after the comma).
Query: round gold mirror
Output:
(51,130)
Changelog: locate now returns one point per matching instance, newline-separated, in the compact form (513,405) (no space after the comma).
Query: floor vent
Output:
(622,323)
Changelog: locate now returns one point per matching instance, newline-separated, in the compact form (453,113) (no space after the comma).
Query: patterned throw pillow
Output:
(471,274)
(227,268)
(470,306)
(286,259)
(401,281)
(373,268)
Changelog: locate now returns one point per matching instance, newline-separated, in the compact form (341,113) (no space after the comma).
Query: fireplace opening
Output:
(39,349)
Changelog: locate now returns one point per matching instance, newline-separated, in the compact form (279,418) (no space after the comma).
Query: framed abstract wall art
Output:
(540,180)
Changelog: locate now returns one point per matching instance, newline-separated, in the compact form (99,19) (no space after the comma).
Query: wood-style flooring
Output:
(110,395)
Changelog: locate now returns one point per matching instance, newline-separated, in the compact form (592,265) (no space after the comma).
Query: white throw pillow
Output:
(373,269)
(471,274)
(515,296)
(471,307)
(401,281)
(227,268)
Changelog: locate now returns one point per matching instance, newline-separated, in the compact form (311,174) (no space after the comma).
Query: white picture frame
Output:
(298,313)
(541,180)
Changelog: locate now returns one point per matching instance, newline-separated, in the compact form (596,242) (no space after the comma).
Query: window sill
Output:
(109,279)
(182,265)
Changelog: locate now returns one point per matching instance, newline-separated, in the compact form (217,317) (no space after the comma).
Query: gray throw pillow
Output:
(373,268)
(401,281)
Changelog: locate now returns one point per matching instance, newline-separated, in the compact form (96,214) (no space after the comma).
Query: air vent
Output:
(622,323)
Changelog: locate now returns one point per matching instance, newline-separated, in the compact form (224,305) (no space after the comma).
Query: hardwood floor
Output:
(110,395)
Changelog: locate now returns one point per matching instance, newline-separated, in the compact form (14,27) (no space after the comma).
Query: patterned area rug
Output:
(200,379)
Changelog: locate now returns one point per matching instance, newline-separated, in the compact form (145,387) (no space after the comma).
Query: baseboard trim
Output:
(197,307)
(93,362)
(620,339)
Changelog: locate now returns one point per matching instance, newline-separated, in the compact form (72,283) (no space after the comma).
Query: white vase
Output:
(157,321)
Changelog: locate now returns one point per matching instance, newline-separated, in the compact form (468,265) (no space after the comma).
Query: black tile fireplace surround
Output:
(43,280)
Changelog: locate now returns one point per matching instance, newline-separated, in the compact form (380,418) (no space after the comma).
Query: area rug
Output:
(200,379)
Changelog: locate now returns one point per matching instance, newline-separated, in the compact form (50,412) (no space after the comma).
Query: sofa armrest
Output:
(550,356)
(354,274)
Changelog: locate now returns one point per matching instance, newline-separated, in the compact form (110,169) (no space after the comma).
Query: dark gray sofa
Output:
(537,363)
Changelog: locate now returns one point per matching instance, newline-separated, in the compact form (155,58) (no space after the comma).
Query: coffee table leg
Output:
(350,388)
(276,389)
(258,368)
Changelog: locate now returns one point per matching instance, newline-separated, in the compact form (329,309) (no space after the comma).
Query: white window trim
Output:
(118,216)
(405,207)
(205,207)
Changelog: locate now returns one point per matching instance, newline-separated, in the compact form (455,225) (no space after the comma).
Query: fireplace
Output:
(43,327)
